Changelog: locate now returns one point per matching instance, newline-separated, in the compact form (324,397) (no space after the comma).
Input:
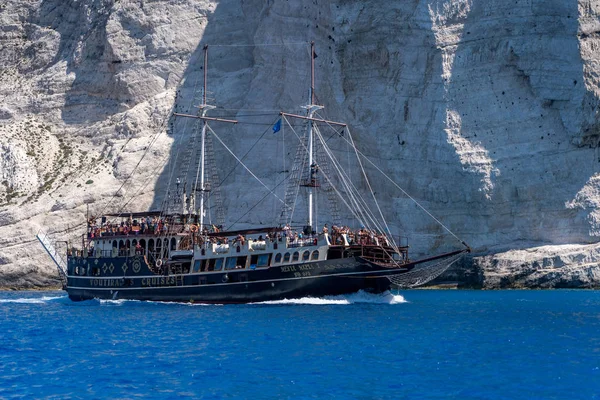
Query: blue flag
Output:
(277,126)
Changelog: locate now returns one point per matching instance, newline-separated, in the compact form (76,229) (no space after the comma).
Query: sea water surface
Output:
(421,344)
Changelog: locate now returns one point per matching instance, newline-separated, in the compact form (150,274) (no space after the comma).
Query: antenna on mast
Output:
(312,72)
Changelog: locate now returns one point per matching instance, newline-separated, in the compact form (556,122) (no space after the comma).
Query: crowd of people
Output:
(144,226)
(159,226)
(361,236)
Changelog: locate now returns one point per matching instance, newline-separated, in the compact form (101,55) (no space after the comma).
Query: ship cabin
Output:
(175,244)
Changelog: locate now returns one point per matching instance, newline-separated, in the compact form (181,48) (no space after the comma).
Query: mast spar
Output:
(203,109)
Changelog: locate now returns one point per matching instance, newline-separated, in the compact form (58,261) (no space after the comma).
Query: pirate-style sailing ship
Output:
(177,255)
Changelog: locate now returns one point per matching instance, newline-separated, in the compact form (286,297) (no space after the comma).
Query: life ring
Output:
(158,263)
(194,228)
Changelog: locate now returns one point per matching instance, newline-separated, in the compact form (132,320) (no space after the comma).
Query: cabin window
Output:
(278,258)
(151,245)
(263,260)
(286,258)
(296,256)
(253,261)
(197,265)
(241,262)
(230,263)
(236,262)
(215,264)
(305,255)
(115,245)
(315,255)
(173,244)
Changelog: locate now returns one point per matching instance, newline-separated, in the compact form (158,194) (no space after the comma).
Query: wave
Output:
(33,300)
(354,298)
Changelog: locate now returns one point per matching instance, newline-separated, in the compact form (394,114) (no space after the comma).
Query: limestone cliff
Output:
(486,111)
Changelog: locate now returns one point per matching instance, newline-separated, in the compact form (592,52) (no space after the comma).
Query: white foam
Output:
(115,302)
(32,300)
(120,302)
(354,298)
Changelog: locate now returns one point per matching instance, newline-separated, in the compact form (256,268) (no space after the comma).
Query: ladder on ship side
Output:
(212,182)
(174,203)
(332,198)
(294,180)
(57,258)
(299,176)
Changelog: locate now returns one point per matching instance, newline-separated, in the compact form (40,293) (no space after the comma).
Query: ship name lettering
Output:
(306,267)
(162,281)
(289,268)
(302,274)
(107,282)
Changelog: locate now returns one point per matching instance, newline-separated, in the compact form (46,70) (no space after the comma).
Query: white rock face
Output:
(485,111)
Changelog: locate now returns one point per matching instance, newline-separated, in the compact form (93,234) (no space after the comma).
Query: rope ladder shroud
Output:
(424,274)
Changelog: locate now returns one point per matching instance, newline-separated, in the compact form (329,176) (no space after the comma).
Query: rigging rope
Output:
(360,203)
(262,44)
(241,163)
(421,275)
(247,152)
(405,193)
(394,245)
(332,185)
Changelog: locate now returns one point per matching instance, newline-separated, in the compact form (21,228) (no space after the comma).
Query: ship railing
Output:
(305,241)
(50,247)
(257,245)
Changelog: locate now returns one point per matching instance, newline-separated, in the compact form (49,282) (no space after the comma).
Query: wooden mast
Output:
(204,108)
(311,109)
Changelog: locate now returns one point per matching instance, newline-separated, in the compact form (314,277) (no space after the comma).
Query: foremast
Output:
(202,114)
(204,108)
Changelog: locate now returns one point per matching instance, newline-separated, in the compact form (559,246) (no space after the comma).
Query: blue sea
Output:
(419,344)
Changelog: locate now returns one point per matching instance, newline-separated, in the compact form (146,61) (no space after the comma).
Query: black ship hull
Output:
(314,279)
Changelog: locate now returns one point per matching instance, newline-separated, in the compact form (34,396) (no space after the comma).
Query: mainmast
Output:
(311,109)
(203,108)
(310,148)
